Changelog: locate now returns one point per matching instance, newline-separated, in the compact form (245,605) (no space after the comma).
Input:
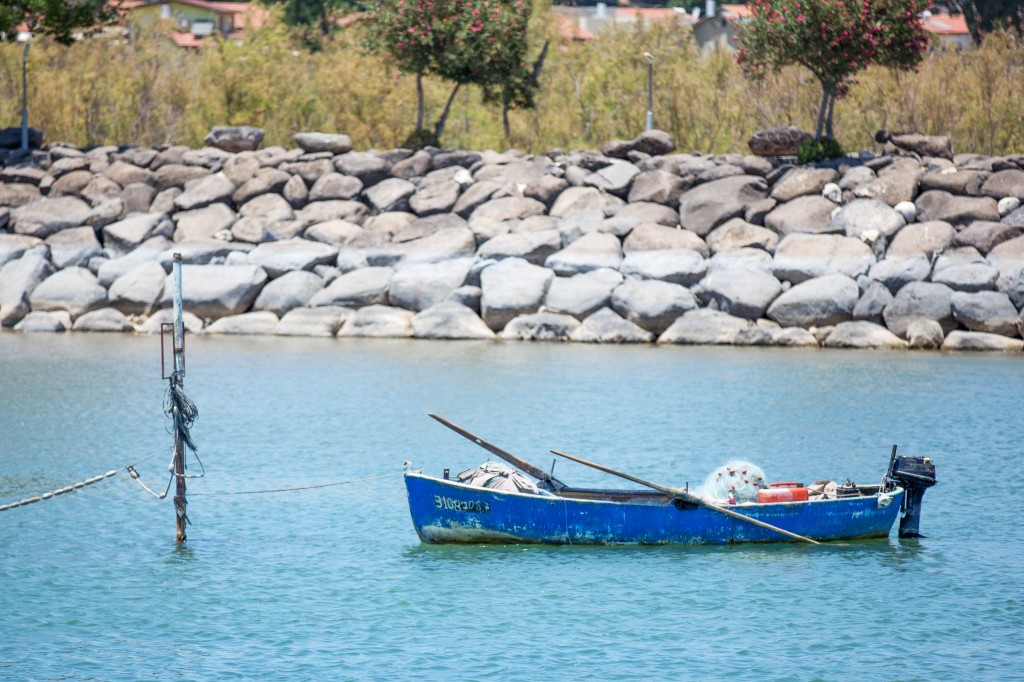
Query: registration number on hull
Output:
(442,502)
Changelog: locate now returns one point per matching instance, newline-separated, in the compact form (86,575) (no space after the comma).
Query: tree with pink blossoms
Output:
(478,42)
(833,39)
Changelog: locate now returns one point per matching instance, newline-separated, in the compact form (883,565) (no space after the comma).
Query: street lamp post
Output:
(650,90)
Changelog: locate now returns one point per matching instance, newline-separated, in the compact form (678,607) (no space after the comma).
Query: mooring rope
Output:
(305,487)
(89,481)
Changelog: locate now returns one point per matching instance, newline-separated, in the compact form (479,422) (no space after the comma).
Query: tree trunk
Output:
(504,120)
(439,130)
(821,113)
(828,119)
(539,64)
(419,101)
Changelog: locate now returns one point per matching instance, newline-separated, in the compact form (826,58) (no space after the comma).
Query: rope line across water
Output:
(305,487)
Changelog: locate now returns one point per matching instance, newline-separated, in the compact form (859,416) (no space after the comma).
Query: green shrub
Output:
(818,150)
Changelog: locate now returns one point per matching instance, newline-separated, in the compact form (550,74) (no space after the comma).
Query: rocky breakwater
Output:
(634,243)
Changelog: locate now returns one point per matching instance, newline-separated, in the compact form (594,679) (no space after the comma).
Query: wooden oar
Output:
(686,496)
(520,464)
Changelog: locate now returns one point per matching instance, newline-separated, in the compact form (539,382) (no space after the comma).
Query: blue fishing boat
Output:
(474,510)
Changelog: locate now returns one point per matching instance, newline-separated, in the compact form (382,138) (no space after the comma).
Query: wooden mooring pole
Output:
(177,377)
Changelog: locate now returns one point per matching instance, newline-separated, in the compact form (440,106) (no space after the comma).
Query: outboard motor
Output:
(915,475)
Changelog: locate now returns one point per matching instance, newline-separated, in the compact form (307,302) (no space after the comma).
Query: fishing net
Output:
(742,479)
(498,476)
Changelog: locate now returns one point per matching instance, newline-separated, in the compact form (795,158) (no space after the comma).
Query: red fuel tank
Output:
(782,495)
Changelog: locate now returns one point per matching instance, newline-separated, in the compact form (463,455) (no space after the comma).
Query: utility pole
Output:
(650,90)
(24,98)
(177,379)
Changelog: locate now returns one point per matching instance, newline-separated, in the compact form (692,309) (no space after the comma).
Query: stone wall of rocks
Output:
(631,244)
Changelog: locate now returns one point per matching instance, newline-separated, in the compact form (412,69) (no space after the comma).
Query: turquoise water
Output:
(334,584)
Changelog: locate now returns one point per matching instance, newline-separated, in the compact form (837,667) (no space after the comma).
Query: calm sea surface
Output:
(334,584)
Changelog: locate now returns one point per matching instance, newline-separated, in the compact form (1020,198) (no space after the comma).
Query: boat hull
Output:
(445,511)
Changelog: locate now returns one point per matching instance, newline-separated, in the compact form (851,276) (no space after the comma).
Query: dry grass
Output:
(146,91)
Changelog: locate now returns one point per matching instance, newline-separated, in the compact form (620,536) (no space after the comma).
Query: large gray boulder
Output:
(862,334)
(801,181)
(872,303)
(444,244)
(449,320)
(582,199)
(390,195)
(177,175)
(126,235)
(955,181)
(540,327)
(738,233)
(800,257)
(152,324)
(335,186)
(324,142)
(895,183)
(18,194)
(215,291)
(534,247)
(651,237)
(125,174)
(204,252)
(895,272)
(746,258)
(615,178)
(704,327)
(862,217)
(379,321)
(266,181)
(605,326)
(333,232)
(18,279)
(807,214)
(707,206)
(75,290)
(512,287)
(277,258)
(818,302)
(1008,257)
(657,186)
(1005,183)
(582,294)
(103,320)
(148,251)
(71,184)
(291,290)
(369,167)
(434,198)
(928,238)
(262,323)
(136,198)
(499,210)
(985,311)
(739,292)
(14,246)
(643,212)
(984,235)
(201,223)
(924,334)
(138,291)
(967,276)
(957,210)
(920,300)
(72,247)
(46,216)
(324,321)
(589,252)
(476,195)
(38,321)
(418,286)
(651,304)
(270,206)
(363,287)
(322,211)
(981,341)
(679,266)
(211,189)
(234,138)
